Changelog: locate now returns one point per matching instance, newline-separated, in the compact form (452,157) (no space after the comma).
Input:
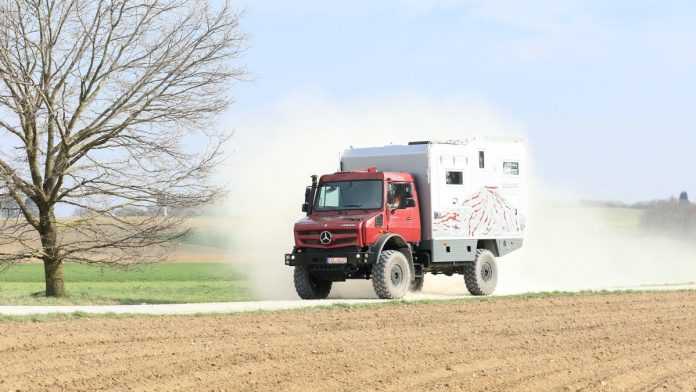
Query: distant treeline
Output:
(672,216)
(10,209)
(675,216)
(642,205)
(154,210)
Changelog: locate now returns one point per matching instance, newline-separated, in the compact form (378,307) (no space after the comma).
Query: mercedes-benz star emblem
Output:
(325,237)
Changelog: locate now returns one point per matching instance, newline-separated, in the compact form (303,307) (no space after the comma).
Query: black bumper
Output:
(320,259)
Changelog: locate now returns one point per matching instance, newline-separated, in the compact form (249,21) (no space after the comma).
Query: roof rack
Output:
(463,141)
(467,141)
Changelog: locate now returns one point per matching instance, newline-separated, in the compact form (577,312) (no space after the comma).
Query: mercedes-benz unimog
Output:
(394,213)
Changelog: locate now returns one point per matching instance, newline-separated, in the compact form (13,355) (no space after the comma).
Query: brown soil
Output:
(614,342)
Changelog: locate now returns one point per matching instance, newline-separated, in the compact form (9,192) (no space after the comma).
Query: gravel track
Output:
(629,342)
(251,306)
(210,307)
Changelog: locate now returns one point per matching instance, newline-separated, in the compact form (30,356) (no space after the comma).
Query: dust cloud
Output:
(570,247)
(566,247)
(279,150)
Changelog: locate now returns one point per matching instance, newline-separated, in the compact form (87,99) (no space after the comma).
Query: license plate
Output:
(336,260)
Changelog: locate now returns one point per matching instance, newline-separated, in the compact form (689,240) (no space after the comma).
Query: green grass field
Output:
(153,284)
(211,239)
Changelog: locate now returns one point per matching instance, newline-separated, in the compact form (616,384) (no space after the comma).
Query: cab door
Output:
(403,220)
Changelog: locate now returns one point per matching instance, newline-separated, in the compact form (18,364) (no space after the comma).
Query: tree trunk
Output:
(53,271)
(53,265)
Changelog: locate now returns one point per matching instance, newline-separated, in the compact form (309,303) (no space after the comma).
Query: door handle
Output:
(408,218)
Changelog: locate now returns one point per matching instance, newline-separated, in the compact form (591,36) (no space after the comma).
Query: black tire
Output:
(308,286)
(391,275)
(416,285)
(481,277)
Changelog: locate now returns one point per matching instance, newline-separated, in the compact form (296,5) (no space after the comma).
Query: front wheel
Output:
(308,286)
(391,275)
(481,277)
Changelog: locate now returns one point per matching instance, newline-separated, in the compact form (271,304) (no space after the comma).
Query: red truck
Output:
(422,208)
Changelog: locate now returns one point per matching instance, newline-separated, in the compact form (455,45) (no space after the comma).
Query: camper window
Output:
(482,160)
(511,168)
(454,178)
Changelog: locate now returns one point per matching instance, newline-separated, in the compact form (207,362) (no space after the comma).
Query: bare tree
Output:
(103,106)
(8,207)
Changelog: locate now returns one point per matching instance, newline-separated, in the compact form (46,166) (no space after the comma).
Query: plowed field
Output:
(614,342)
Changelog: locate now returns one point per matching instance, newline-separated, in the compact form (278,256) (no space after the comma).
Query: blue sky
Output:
(605,91)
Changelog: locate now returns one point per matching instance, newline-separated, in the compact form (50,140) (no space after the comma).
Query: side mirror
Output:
(305,207)
(410,202)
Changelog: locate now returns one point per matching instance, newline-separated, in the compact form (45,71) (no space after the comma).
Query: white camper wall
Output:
(490,202)
(477,203)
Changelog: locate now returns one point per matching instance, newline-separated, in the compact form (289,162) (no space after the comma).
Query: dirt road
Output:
(614,342)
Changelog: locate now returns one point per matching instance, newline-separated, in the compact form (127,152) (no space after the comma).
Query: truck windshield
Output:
(349,195)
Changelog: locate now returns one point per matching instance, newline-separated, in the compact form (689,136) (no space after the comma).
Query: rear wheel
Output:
(481,277)
(391,275)
(308,286)
(416,285)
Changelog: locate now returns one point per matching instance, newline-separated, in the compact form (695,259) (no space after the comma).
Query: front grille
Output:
(341,237)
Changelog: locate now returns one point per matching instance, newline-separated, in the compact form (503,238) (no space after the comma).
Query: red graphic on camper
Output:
(485,213)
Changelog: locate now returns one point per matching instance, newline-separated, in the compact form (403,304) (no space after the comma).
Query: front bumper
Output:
(318,259)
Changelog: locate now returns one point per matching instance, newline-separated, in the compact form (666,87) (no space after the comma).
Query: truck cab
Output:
(352,217)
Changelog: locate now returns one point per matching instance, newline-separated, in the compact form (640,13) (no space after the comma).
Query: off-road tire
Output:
(416,284)
(391,275)
(308,286)
(481,276)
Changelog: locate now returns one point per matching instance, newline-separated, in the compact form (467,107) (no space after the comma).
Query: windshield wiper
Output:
(356,206)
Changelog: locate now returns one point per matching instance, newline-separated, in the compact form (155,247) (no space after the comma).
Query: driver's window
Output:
(329,196)
(397,193)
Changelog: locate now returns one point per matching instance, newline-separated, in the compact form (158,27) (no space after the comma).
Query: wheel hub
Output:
(486,271)
(397,275)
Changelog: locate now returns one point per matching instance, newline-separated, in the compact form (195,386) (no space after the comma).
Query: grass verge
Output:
(154,284)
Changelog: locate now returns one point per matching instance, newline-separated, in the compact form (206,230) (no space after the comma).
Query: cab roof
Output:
(366,174)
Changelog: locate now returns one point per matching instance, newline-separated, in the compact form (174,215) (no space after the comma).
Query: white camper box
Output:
(469,191)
